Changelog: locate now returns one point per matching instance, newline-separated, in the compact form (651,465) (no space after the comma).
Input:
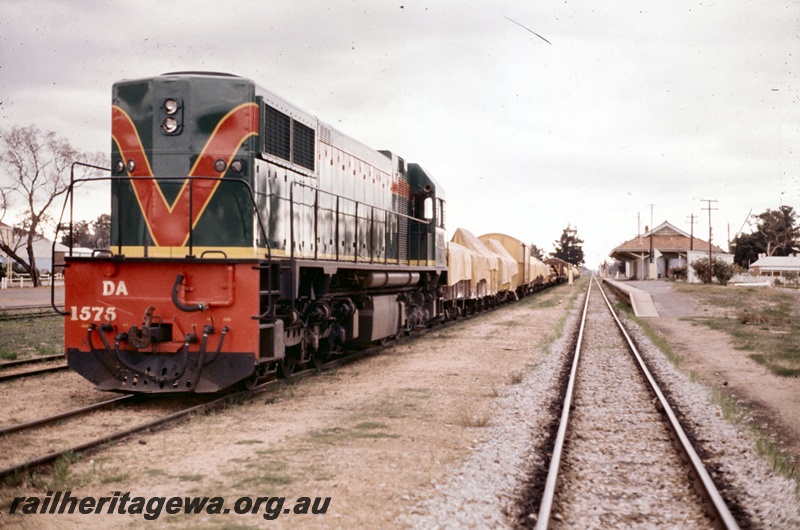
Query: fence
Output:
(24,280)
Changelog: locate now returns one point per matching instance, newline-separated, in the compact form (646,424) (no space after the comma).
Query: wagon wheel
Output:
(286,367)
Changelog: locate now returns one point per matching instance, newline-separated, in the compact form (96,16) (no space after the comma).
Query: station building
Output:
(670,246)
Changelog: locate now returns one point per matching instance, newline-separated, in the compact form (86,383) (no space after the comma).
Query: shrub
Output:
(678,273)
(700,268)
(720,270)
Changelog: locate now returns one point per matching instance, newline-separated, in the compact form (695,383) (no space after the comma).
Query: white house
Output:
(776,266)
(42,250)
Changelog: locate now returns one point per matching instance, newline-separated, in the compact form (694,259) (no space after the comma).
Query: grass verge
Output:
(24,339)
(763,321)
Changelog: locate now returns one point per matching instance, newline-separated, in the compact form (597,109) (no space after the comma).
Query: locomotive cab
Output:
(428,240)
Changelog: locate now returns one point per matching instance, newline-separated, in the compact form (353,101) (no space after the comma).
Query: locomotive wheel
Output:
(251,382)
(317,360)
(286,367)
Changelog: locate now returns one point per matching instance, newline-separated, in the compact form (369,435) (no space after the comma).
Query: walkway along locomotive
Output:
(247,236)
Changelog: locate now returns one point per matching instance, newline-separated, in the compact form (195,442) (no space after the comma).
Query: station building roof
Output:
(667,238)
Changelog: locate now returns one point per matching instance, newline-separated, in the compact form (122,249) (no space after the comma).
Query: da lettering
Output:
(114,289)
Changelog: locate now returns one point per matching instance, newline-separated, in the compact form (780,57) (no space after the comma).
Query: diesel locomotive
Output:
(249,237)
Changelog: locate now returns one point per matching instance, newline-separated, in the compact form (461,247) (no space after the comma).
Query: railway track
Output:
(13,473)
(614,460)
(26,312)
(31,373)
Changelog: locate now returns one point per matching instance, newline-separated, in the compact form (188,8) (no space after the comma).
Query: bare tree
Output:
(35,167)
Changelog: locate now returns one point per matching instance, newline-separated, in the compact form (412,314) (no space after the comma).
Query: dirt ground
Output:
(379,435)
(375,436)
(710,355)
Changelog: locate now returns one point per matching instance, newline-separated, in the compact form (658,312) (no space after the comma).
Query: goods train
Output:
(249,237)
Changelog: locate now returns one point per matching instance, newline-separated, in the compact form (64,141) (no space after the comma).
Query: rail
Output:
(706,486)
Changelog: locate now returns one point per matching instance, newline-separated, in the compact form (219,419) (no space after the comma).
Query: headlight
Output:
(219,165)
(131,165)
(171,106)
(170,125)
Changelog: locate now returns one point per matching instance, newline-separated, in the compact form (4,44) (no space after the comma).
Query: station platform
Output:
(641,301)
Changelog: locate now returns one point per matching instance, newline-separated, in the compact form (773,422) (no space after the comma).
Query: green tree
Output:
(536,252)
(35,167)
(569,247)
(747,247)
(780,230)
(96,234)
(101,230)
(81,235)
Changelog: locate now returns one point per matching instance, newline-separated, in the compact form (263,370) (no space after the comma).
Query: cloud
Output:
(631,104)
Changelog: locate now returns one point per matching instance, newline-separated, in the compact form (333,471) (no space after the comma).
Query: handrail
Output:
(70,199)
(370,220)
(77,182)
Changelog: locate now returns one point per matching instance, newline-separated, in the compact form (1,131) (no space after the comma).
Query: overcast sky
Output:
(631,103)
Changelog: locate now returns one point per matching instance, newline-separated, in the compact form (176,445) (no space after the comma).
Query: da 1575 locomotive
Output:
(249,237)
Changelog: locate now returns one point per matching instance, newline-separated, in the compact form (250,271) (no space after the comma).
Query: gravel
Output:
(484,490)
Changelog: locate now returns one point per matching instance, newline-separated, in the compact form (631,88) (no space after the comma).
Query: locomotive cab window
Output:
(288,139)
(427,208)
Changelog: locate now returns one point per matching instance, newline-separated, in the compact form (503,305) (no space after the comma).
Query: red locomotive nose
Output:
(194,334)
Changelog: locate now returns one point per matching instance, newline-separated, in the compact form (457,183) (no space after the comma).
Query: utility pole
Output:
(709,208)
(639,226)
(650,273)
(729,237)
(691,232)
